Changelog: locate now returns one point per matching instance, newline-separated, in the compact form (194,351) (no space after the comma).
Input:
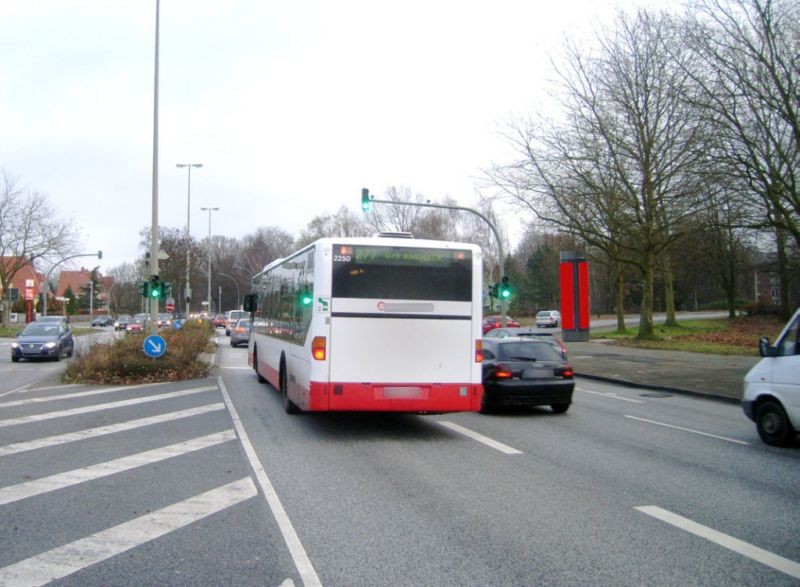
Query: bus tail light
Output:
(318,348)
(479,351)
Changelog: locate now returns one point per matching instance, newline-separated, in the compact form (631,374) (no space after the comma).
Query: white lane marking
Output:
(504,448)
(611,395)
(784,565)
(5,393)
(242,368)
(70,558)
(689,430)
(79,394)
(101,407)
(66,385)
(61,480)
(18,447)
(296,549)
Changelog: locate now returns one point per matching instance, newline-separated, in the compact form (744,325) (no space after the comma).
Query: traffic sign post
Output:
(154,346)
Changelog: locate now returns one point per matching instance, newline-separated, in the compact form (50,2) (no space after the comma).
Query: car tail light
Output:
(479,351)
(567,372)
(318,348)
(501,372)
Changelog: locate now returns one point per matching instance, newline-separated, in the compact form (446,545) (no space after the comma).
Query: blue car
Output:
(43,340)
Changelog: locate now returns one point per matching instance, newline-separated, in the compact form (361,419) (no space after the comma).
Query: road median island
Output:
(123,361)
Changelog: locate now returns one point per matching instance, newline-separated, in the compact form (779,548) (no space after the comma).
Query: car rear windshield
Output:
(527,351)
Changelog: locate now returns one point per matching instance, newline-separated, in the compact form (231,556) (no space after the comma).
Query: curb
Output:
(694,393)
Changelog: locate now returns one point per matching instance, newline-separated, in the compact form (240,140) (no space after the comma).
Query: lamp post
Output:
(234,283)
(209,210)
(188,290)
(46,284)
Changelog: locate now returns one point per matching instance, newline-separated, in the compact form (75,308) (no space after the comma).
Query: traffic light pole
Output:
(366,199)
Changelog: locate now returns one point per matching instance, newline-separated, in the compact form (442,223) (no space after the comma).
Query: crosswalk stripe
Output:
(61,480)
(70,558)
(101,407)
(19,447)
(80,394)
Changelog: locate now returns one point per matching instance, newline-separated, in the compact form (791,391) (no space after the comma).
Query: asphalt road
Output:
(630,487)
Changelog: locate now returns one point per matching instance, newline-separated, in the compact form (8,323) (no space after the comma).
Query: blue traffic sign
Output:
(154,346)
(177,324)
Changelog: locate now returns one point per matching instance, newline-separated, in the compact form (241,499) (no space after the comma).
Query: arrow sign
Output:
(154,346)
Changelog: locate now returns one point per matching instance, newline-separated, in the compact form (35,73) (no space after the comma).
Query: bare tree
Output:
(30,231)
(621,171)
(262,247)
(343,223)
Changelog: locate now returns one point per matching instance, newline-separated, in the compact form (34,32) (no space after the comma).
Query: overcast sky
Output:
(292,107)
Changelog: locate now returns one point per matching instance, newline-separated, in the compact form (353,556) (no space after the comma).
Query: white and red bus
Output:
(371,324)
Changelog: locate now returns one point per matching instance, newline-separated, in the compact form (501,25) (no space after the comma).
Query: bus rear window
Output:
(401,273)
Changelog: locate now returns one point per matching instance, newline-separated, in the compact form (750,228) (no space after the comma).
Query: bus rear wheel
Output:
(261,378)
(288,405)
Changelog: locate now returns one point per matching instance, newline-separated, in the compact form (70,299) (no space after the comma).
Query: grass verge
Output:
(123,361)
(722,336)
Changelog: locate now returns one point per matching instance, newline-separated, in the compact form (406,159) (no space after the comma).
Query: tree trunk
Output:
(783,276)
(646,315)
(620,295)
(669,291)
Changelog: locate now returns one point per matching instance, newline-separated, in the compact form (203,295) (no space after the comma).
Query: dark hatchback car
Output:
(103,321)
(531,333)
(519,371)
(492,322)
(43,340)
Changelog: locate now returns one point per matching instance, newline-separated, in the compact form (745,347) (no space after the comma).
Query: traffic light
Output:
(156,287)
(365,199)
(493,290)
(504,289)
(143,287)
(167,289)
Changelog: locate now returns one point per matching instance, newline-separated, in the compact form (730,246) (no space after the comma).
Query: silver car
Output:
(240,332)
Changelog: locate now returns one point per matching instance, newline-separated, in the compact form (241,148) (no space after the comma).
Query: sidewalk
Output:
(717,376)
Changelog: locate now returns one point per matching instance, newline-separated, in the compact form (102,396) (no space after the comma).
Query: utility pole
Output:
(154,221)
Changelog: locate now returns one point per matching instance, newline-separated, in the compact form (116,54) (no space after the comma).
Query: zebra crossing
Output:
(65,449)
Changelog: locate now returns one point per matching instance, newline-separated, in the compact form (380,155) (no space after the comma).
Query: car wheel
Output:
(58,355)
(486,408)
(288,405)
(260,377)
(773,425)
(15,359)
(233,345)
(559,408)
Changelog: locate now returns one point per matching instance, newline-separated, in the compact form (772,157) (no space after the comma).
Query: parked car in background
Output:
(531,333)
(43,340)
(492,322)
(772,387)
(232,317)
(240,333)
(103,321)
(519,371)
(164,320)
(219,320)
(121,322)
(548,318)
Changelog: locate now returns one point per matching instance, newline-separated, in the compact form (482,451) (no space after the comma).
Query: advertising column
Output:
(574,281)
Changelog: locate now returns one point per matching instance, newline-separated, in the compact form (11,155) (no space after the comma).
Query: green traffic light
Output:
(365,199)
(306,298)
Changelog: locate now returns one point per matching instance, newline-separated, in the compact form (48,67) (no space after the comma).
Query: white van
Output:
(772,388)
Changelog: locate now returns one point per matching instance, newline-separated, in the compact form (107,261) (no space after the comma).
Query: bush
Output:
(123,361)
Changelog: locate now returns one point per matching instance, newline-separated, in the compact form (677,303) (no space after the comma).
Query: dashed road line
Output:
(779,563)
(611,395)
(725,438)
(18,389)
(19,447)
(70,558)
(503,448)
(76,395)
(61,480)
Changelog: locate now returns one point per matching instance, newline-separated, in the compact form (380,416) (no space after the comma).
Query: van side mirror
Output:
(250,303)
(765,350)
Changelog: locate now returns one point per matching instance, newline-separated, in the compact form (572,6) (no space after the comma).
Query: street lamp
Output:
(188,291)
(209,210)
(234,283)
